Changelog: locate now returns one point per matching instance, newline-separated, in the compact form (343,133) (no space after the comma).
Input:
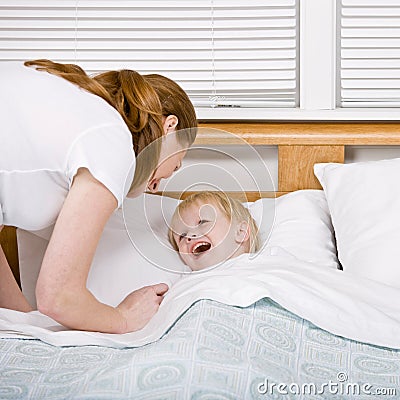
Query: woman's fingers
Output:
(160,288)
(141,305)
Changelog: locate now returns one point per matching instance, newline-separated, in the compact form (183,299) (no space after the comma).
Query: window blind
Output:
(224,53)
(369,53)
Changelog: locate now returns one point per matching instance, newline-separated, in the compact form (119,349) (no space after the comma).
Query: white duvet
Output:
(341,303)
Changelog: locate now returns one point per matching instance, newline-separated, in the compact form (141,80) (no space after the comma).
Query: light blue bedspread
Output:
(214,351)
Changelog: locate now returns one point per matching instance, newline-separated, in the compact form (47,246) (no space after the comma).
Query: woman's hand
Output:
(140,306)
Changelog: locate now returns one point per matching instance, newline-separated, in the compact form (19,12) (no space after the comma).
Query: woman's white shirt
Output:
(49,129)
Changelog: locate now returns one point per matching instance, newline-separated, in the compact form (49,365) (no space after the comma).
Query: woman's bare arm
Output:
(61,289)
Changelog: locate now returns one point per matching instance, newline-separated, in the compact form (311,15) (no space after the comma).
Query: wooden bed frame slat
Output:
(8,240)
(296,165)
(295,133)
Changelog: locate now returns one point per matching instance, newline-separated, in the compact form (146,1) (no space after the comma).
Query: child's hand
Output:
(139,306)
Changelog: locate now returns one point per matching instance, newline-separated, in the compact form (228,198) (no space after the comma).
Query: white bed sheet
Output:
(339,302)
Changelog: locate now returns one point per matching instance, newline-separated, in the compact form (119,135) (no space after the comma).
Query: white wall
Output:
(239,168)
(367,153)
(230,168)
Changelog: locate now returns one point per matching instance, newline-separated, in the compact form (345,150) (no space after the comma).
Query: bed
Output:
(265,343)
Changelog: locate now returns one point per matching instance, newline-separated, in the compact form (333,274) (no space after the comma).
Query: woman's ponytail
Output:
(72,73)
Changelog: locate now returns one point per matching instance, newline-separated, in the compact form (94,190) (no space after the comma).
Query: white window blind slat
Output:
(378,84)
(370,53)
(272,50)
(372,43)
(371,12)
(377,32)
(363,3)
(223,53)
(141,34)
(356,65)
(370,73)
(149,54)
(179,4)
(196,65)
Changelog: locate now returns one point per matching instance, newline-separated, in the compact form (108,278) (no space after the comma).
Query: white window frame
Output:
(318,76)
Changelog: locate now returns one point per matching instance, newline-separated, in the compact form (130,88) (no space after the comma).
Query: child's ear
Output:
(242,233)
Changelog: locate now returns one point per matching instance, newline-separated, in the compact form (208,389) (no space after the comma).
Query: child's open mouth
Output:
(200,247)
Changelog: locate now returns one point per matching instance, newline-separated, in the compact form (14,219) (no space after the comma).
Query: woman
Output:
(68,146)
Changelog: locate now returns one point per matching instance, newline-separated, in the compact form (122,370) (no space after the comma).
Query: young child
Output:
(208,228)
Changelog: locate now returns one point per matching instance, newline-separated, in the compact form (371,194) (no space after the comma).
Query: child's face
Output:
(205,236)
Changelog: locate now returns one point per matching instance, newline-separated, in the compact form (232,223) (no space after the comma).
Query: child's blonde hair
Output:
(232,208)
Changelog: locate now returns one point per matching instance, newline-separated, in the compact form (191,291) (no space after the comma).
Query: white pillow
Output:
(364,202)
(302,227)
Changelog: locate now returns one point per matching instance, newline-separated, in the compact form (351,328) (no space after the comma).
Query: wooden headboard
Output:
(300,146)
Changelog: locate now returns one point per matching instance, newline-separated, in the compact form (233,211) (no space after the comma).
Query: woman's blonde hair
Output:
(233,209)
(139,100)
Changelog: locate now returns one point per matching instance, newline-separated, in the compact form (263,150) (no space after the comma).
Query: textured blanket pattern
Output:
(214,351)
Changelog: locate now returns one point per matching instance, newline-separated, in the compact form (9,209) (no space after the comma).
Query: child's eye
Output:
(182,235)
(203,221)
(177,167)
